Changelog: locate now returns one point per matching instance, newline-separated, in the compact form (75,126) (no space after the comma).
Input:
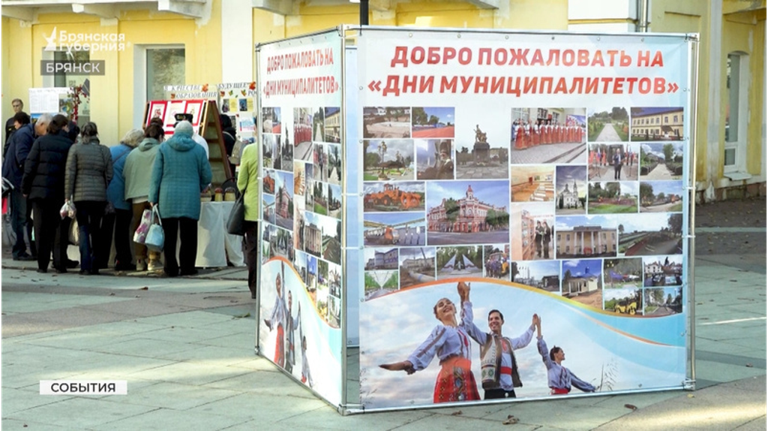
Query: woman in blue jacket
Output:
(180,173)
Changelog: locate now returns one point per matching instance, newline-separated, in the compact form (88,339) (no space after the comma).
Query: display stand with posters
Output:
(206,123)
(505,197)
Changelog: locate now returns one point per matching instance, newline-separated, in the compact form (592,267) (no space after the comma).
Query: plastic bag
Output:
(155,236)
(68,210)
(141,232)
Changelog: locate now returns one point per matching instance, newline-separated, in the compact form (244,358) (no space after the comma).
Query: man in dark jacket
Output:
(43,184)
(17,105)
(13,169)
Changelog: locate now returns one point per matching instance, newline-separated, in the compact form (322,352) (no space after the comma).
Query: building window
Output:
(522,114)
(61,79)
(737,79)
(674,119)
(165,66)
(666,119)
(568,237)
(567,248)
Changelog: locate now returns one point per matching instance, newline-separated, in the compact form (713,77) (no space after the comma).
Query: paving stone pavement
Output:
(185,346)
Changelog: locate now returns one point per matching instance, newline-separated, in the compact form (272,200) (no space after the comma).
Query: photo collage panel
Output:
(301,199)
(589,195)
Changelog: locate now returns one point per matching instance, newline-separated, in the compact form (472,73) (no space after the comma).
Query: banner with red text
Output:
(524,199)
(301,269)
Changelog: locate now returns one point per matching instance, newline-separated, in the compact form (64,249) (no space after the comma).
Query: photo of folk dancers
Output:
(469,341)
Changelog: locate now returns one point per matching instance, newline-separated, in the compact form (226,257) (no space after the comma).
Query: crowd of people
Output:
(53,166)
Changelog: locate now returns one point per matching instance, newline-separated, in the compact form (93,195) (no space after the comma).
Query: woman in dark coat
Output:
(89,171)
(43,184)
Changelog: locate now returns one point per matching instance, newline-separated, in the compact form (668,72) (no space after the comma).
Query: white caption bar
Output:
(83,387)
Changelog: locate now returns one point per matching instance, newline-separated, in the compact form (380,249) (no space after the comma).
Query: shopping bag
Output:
(155,236)
(74,233)
(9,235)
(68,210)
(141,232)
(236,220)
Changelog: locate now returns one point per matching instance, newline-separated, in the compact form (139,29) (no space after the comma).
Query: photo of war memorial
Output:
(481,145)
(390,160)
(548,135)
(459,262)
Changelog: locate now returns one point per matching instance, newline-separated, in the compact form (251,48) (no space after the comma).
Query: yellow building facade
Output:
(211,42)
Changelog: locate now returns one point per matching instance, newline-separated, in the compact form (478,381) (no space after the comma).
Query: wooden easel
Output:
(210,129)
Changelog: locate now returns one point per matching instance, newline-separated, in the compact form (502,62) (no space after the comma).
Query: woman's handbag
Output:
(141,232)
(74,232)
(236,221)
(155,237)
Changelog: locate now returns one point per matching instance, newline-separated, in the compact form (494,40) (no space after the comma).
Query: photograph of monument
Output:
(388,160)
(434,159)
(455,262)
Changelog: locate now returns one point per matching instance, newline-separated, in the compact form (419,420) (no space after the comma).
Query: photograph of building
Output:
(583,281)
(471,219)
(333,125)
(417,266)
(571,190)
(380,258)
(541,274)
(657,124)
(586,236)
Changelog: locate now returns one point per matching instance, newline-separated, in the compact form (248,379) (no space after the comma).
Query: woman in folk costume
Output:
(560,379)
(278,321)
(451,343)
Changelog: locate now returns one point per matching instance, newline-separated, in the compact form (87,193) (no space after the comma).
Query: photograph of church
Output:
(571,188)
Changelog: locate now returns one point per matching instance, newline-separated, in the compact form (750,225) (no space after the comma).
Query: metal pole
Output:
(694,66)
(363,12)
(642,16)
(344,217)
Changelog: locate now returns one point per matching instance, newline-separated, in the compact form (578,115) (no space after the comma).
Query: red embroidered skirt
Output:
(455,382)
(280,346)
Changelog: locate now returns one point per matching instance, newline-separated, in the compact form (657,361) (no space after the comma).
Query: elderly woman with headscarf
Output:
(89,171)
(119,213)
(180,173)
